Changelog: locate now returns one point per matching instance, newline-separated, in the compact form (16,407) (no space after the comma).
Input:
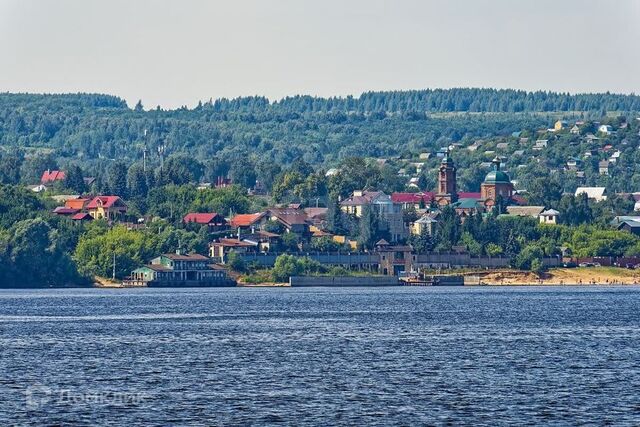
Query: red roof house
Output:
(107,207)
(52,176)
(415,199)
(246,220)
(213,219)
(78,203)
(82,216)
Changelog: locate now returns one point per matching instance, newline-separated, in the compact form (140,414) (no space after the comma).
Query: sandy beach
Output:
(562,276)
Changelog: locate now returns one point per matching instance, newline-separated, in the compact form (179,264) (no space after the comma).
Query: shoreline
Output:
(581,276)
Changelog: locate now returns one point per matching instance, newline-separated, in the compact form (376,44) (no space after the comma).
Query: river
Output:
(320,356)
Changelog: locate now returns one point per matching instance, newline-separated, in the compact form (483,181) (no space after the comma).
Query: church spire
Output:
(447,188)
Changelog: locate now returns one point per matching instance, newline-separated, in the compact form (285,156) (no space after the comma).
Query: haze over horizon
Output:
(172,54)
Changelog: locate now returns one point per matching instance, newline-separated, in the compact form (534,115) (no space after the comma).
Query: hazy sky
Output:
(178,52)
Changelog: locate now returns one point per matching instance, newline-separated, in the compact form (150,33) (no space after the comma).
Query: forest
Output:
(253,139)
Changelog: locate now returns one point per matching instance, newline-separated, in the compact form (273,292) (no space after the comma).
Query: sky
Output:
(174,53)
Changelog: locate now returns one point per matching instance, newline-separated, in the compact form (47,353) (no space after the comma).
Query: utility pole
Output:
(161,150)
(144,153)
(113,275)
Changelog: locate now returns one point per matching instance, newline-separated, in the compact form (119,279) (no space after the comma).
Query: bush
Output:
(236,262)
(288,265)
(528,258)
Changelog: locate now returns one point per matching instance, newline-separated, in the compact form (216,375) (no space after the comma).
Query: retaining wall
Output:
(298,281)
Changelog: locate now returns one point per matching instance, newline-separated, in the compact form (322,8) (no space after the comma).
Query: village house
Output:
(179,270)
(388,212)
(220,249)
(630,224)
(213,220)
(615,156)
(636,200)
(575,130)
(540,144)
(596,194)
(316,216)
(38,188)
(293,220)
(248,221)
(605,129)
(413,200)
(51,176)
(559,125)
(574,163)
(106,207)
(591,138)
(81,216)
(265,241)
(525,211)
(426,223)
(603,167)
(549,216)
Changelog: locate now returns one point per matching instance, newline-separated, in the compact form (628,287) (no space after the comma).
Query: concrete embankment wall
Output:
(372,260)
(297,281)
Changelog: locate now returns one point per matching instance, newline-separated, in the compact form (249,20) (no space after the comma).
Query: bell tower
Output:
(447,189)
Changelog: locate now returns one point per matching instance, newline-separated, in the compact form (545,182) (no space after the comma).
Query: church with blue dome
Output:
(496,186)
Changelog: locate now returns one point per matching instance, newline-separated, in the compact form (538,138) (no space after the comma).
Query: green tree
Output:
(368,228)
(117,179)
(74,180)
(94,254)
(137,181)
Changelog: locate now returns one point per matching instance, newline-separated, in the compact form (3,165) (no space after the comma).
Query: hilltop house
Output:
(50,176)
(603,167)
(593,193)
(213,220)
(107,207)
(549,216)
(574,163)
(179,270)
(605,129)
(559,125)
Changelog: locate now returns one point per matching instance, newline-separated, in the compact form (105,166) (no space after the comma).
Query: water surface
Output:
(321,356)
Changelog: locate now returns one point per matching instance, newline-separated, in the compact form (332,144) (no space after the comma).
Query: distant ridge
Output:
(420,101)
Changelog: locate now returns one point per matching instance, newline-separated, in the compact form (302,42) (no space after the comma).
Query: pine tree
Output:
(74,179)
(368,228)
(117,179)
(334,217)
